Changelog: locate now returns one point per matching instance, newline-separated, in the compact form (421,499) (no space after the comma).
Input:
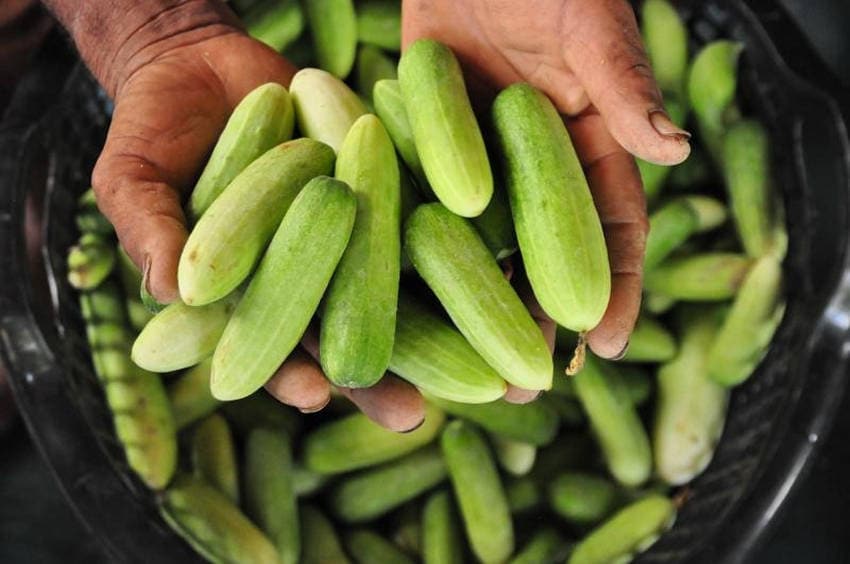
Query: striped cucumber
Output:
(373,66)
(190,395)
(650,342)
(325,106)
(374,492)
(270,491)
(701,277)
(262,120)
(357,442)
(214,456)
(267,324)
(616,424)
(445,130)
(755,314)
(213,525)
(535,423)
(441,543)
(712,84)
(630,531)
(357,334)
(90,261)
(690,408)
(746,169)
(333,24)
(453,261)
(319,541)
(432,355)
(181,336)
(479,492)
(557,226)
(582,498)
(131,279)
(379,23)
(677,220)
(368,547)
(229,239)
(277,23)
(389,105)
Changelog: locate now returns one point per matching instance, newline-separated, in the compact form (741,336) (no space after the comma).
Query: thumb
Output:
(609,61)
(147,216)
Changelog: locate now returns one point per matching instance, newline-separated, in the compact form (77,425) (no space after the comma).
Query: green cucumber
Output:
(325,106)
(441,543)
(88,217)
(277,23)
(333,24)
(90,261)
(543,548)
(357,334)
(516,457)
(479,492)
(535,423)
(270,491)
(190,395)
(368,547)
(262,120)
(181,336)
(650,342)
(496,226)
(712,84)
(261,410)
(214,456)
(672,224)
(432,355)
(557,226)
(630,531)
(229,239)
(690,408)
(374,492)
(213,525)
(379,23)
(454,262)
(446,133)
(389,105)
(703,277)
(320,543)
(666,39)
(523,495)
(373,66)
(582,498)
(355,442)
(267,324)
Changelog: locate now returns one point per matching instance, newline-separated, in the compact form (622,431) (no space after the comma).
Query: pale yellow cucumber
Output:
(325,106)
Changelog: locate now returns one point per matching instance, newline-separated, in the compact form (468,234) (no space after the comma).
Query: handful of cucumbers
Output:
(311,209)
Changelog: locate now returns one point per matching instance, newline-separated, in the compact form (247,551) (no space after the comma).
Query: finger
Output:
(610,63)
(618,195)
(391,403)
(520,395)
(299,382)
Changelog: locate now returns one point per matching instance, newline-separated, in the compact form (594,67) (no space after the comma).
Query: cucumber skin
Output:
(325,107)
(446,133)
(557,226)
(452,259)
(358,324)
(333,24)
(300,258)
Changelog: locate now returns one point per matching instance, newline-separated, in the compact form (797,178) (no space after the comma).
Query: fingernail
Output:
(665,126)
(622,353)
(414,427)
(315,408)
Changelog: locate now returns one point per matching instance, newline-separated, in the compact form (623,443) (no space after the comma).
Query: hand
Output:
(586,55)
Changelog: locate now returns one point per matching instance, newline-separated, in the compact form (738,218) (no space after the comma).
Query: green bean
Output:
(214,456)
(441,543)
(367,547)
(582,498)
(319,542)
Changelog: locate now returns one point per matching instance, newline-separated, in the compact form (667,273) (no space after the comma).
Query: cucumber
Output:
(523,495)
(90,261)
(672,224)
(319,540)
(666,40)
(450,256)
(535,423)
(704,277)
(479,492)
(270,491)
(712,83)
(379,23)
(557,226)
(746,170)
(357,334)
(544,547)
(333,24)
(616,424)
(212,525)
(267,324)
(389,105)
(325,106)
(262,120)
(214,456)
(496,226)
(374,492)
(181,336)
(229,239)
(368,547)
(582,498)
(431,354)
(755,314)
(441,543)
(650,342)
(445,130)
(691,407)
(190,396)
(88,217)
(261,410)
(355,442)
(516,457)
(630,531)
(373,66)
(277,23)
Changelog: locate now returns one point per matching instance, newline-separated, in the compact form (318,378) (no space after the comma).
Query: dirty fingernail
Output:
(665,126)
(620,355)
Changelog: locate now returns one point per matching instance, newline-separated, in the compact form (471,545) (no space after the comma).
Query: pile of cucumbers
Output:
(391,231)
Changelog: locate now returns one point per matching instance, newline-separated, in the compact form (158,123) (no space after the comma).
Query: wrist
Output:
(117,37)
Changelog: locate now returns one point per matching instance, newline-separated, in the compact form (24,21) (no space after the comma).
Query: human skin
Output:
(177,68)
